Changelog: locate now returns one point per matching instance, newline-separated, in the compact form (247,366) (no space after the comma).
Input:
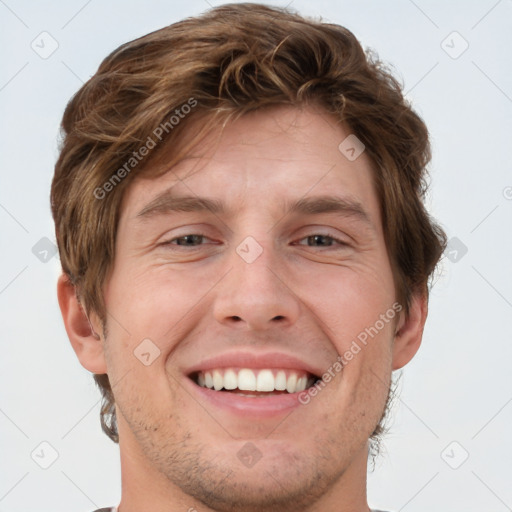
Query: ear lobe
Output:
(410,331)
(87,345)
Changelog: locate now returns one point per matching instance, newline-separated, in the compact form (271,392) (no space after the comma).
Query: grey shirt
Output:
(114,509)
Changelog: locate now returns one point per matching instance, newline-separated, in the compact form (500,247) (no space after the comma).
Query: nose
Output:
(256,295)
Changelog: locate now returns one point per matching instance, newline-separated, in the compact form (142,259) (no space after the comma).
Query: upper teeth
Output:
(247,379)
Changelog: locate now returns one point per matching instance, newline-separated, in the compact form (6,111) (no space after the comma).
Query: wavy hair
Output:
(231,60)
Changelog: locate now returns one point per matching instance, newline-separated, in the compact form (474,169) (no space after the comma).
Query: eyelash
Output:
(325,235)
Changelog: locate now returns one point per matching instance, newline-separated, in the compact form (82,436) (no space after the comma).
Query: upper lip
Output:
(244,359)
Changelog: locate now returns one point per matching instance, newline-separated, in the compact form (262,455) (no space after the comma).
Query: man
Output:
(246,254)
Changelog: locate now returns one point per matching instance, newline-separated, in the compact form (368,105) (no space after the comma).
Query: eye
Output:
(316,240)
(322,240)
(190,240)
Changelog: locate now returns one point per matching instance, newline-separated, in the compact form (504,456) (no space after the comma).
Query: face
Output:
(257,264)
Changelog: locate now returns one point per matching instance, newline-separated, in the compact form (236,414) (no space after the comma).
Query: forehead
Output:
(266,160)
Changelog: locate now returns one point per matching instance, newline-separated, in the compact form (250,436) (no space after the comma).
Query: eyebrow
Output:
(330,204)
(167,203)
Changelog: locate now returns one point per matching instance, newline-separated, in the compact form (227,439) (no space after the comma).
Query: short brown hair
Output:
(233,59)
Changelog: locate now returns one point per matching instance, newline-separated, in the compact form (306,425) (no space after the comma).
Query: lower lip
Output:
(261,407)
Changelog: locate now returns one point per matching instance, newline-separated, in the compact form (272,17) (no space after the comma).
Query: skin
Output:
(307,297)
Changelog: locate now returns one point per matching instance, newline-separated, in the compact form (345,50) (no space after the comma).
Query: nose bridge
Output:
(254,294)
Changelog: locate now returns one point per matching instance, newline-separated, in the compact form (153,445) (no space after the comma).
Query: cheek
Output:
(358,313)
(151,301)
(351,299)
(151,311)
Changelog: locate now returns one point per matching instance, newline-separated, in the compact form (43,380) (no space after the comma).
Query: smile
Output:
(252,385)
(261,382)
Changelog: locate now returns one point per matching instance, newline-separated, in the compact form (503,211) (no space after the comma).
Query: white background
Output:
(459,386)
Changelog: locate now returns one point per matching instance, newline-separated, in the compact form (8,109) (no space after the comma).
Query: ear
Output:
(410,330)
(87,345)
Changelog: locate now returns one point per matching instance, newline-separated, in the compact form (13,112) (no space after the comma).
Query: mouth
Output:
(254,383)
